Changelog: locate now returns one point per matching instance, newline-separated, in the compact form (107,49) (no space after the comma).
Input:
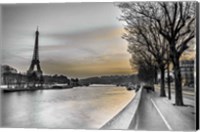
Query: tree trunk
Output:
(178,83)
(155,75)
(162,85)
(168,81)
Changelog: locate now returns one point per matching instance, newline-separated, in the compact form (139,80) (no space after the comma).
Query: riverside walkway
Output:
(158,113)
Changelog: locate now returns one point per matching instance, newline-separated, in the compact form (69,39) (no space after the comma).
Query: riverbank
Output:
(46,87)
(149,111)
(123,119)
(56,86)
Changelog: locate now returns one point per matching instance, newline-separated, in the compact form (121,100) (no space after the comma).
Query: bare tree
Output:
(179,18)
(175,21)
(143,62)
(142,31)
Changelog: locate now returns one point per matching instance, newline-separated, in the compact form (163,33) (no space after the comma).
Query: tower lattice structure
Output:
(35,75)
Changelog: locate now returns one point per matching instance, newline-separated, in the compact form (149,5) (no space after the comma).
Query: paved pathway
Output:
(148,117)
(157,113)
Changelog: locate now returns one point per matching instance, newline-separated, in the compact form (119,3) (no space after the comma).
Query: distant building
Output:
(8,75)
(187,72)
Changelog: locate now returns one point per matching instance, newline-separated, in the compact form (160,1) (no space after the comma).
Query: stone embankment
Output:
(124,118)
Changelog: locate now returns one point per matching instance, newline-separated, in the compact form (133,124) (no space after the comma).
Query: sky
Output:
(76,39)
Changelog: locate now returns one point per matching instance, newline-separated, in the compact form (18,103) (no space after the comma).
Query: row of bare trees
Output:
(158,33)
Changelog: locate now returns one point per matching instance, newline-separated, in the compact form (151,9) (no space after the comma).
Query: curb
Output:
(124,118)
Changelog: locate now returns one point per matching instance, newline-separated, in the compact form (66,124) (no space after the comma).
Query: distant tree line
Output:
(116,80)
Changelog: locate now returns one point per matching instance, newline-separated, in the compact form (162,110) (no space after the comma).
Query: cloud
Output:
(107,55)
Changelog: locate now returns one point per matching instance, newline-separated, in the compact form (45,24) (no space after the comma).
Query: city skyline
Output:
(76,39)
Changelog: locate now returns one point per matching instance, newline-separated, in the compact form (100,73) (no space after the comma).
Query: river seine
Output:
(80,107)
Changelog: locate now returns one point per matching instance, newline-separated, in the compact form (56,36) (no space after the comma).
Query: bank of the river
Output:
(17,88)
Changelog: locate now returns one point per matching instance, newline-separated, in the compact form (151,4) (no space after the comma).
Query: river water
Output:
(79,107)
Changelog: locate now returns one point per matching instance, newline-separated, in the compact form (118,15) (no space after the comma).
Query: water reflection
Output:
(80,107)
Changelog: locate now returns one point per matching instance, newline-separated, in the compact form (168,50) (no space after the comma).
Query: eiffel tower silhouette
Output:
(35,75)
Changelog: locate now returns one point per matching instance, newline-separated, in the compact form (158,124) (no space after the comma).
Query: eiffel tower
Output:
(35,75)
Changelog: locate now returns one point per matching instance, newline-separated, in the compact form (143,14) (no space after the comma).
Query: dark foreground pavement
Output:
(159,113)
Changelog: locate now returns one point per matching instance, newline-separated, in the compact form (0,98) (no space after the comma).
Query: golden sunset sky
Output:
(76,39)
